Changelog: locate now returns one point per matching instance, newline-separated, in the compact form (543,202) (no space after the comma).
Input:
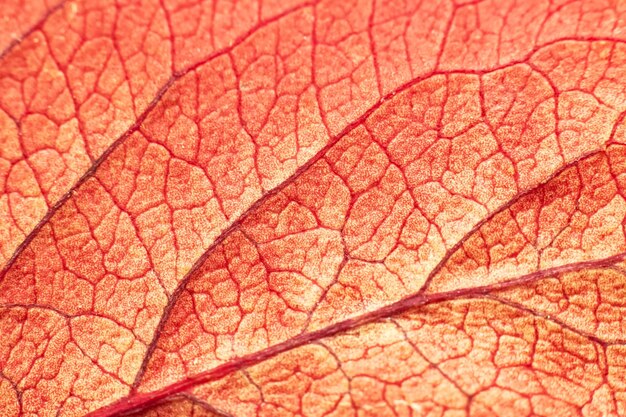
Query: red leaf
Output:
(315,209)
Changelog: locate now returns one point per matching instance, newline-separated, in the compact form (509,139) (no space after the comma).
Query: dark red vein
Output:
(32,29)
(140,401)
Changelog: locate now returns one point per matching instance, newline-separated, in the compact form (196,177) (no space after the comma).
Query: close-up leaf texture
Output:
(331,208)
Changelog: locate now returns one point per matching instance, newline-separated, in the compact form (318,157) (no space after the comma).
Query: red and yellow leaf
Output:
(313,209)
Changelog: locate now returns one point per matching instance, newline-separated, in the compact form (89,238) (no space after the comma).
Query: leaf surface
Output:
(308,209)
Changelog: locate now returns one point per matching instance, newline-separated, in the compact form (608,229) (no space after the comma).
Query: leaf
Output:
(20,18)
(314,209)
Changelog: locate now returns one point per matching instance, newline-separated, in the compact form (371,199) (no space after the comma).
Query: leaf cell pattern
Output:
(313,208)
